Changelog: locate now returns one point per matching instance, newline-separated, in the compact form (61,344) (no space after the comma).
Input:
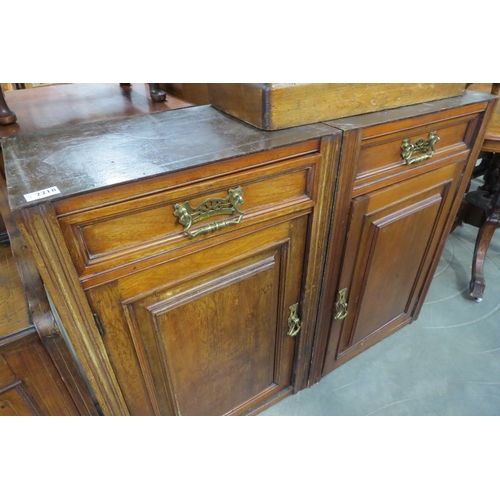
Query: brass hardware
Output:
(187,215)
(341,305)
(99,325)
(421,145)
(294,323)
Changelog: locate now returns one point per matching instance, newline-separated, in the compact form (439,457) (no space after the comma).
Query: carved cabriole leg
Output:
(485,234)
(6,115)
(156,93)
(44,238)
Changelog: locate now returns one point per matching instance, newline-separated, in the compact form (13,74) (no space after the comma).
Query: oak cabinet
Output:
(208,325)
(192,291)
(206,333)
(402,178)
(394,233)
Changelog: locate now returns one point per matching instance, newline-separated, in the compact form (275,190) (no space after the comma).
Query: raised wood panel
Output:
(206,334)
(385,300)
(215,341)
(393,237)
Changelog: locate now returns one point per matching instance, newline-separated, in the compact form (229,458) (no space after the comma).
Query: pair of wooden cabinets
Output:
(245,264)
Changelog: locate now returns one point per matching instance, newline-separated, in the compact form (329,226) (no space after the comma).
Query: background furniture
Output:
(481,207)
(38,373)
(9,117)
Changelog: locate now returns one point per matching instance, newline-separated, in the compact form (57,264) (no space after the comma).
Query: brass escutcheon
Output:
(341,305)
(294,323)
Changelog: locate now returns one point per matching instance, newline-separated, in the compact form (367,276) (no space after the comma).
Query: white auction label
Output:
(37,195)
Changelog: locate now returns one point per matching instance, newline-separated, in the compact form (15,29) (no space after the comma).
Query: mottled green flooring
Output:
(445,363)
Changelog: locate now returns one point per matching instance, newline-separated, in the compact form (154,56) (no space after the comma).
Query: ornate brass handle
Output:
(294,323)
(187,215)
(421,145)
(341,305)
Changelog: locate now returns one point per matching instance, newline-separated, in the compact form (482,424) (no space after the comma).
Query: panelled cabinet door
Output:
(206,333)
(393,236)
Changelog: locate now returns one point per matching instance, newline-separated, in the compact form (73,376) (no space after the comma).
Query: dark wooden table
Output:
(61,105)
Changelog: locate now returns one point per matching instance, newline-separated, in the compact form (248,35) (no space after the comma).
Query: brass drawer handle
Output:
(421,145)
(294,323)
(187,215)
(341,305)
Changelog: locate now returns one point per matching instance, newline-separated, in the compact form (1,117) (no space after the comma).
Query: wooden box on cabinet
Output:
(274,106)
(402,176)
(166,322)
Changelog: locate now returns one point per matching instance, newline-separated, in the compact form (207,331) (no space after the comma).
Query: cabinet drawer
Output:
(384,155)
(121,234)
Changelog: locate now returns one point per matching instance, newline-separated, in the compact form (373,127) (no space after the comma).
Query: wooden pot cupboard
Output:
(200,266)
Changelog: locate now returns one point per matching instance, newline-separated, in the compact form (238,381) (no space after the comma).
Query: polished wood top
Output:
(87,157)
(55,106)
(393,115)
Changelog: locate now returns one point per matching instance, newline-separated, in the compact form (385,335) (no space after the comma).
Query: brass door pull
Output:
(341,305)
(425,146)
(187,215)
(294,323)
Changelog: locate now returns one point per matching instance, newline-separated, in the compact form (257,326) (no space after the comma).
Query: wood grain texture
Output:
(29,381)
(110,153)
(285,190)
(40,228)
(14,312)
(491,141)
(126,233)
(15,403)
(205,334)
(274,106)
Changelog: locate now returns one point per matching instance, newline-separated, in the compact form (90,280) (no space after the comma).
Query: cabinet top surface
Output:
(404,112)
(93,156)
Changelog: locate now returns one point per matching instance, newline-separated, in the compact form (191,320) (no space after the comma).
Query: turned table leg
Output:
(156,93)
(485,234)
(6,115)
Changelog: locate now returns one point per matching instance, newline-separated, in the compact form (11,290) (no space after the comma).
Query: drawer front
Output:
(386,155)
(119,235)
